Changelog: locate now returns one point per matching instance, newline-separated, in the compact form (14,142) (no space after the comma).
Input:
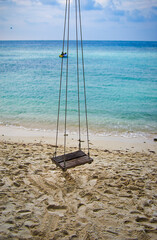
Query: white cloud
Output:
(61,2)
(128,5)
(27,2)
(23,2)
(103,3)
(138,4)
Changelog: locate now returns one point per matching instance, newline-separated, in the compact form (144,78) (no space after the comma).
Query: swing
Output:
(73,159)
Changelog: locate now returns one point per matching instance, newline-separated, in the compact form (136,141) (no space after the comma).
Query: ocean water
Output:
(121,85)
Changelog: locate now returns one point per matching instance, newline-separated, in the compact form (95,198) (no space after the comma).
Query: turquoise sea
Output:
(121,84)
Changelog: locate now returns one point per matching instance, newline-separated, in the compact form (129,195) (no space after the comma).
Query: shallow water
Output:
(121,86)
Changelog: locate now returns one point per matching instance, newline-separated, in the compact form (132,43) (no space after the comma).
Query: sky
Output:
(101,19)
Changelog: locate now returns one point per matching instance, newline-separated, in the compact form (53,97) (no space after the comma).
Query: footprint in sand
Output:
(57,208)
(142,219)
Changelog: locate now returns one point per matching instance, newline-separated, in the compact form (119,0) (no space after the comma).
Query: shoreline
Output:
(101,142)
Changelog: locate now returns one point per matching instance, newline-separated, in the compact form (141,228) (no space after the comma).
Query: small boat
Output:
(63,55)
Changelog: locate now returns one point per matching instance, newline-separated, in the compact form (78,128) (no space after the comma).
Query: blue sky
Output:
(102,19)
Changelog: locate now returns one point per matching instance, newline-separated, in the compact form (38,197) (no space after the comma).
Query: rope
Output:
(84,78)
(78,84)
(66,96)
(67,15)
(59,99)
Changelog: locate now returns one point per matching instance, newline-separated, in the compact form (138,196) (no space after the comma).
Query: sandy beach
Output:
(115,197)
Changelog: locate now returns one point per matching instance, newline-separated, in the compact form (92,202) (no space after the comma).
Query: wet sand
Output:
(115,197)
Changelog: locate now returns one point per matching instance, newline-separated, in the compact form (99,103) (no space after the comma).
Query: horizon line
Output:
(79,40)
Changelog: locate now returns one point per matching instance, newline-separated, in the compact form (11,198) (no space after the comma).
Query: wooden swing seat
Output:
(72,160)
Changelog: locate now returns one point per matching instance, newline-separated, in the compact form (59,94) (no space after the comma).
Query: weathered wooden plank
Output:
(76,162)
(72,160)
(68,156)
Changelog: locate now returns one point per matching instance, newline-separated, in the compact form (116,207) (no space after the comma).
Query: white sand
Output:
(114,198)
